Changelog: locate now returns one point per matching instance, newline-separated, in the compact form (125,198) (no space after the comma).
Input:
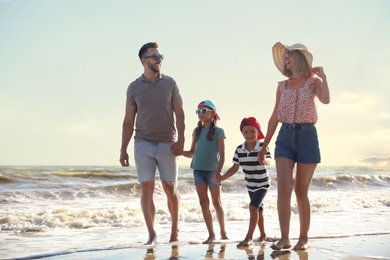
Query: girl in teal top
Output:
(208,156)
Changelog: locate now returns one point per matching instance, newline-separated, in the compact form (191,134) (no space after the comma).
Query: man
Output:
(155,99)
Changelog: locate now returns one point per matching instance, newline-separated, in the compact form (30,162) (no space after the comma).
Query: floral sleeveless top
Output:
(297,105)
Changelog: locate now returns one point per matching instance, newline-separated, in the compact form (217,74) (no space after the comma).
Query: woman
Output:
(297,141)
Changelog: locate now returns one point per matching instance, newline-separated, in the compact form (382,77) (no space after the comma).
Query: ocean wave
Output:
(352,235)
(67,193)
(66,172)
(352,181)
(95,174)
(341,181)
(113,211)
(71,218)
(4,178)
(68,177)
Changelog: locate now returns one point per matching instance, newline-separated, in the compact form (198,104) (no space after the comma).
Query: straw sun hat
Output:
(279,49)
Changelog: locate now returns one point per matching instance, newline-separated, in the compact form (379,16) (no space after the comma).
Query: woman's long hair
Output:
(300,66)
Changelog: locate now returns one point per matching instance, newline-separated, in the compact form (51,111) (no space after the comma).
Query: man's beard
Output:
(154,68)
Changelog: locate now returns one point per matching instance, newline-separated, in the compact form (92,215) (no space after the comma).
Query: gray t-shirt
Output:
(155,120)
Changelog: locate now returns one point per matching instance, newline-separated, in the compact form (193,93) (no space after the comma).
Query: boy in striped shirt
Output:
(256,175)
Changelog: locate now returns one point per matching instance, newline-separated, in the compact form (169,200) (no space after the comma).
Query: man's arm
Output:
(177,148)
(127,133)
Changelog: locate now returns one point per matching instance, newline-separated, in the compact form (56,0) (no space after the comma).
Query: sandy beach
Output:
(353,247)
(94,213)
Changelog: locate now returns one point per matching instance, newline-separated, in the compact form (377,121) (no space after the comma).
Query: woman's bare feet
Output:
(209,240)
(301,245)
(174,237)
(281,244)
(152,241)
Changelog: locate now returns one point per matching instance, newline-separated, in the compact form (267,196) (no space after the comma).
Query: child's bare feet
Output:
(301,245)
(281,244)
(245,243)
(224,236)
(260,239)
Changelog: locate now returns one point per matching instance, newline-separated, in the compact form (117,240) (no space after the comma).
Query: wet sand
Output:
(354,247)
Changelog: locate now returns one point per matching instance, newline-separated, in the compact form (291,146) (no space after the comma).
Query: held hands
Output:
(217,178)
(261,156)
(177,148)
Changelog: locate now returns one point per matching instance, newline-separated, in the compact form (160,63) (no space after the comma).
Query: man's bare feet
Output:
(301,245)
(271,239)
(281,244)
(152,241)
(208,240)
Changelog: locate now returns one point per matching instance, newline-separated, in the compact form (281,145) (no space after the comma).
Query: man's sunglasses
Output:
(203,111)
(287,54)
(155,57)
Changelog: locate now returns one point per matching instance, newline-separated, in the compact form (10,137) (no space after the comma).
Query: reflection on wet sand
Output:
(251,255)
(218,251)
(212,249)
(150,253)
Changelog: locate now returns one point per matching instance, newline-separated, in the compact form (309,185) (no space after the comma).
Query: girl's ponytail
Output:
(211,132)
(197,130)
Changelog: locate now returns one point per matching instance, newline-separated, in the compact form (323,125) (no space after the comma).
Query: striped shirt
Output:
(256,174)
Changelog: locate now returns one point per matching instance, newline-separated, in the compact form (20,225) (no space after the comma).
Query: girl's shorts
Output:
(298,142)
(204,177)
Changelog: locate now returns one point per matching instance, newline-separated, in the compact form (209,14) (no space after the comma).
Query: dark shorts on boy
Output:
(257,198)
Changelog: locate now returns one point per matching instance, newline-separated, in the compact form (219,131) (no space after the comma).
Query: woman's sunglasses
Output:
(287,54)
(203,111)
(155,57)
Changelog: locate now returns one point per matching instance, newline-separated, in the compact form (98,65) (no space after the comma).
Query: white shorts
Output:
(151,156)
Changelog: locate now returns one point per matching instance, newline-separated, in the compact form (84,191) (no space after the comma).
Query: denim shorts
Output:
(257,198)
(204,177)
(298,142)
(151,156)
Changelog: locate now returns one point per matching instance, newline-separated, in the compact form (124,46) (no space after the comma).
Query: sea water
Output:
(54,210)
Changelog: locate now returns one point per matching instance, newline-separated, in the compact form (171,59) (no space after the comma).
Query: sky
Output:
(65,66)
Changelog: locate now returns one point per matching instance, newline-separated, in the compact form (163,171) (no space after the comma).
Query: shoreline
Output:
(369,246)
